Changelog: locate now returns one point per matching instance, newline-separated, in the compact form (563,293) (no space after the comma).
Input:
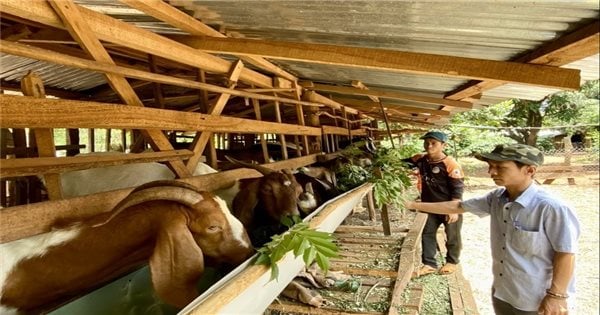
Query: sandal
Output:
(425,270)
(448,268)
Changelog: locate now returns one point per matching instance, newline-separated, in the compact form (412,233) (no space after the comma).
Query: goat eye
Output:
(267,189)
(214,228)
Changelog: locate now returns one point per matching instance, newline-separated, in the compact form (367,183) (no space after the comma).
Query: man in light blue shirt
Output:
(533,235)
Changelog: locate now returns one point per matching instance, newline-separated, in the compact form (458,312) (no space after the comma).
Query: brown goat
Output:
(171,224)
(262,202)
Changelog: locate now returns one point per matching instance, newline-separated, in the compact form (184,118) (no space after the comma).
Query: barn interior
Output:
(179,81)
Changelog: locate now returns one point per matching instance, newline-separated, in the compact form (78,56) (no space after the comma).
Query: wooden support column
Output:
(263,141)
(73,138)
(156,87)
(124,139)
(32,85)
(300,115)
(92,139)
(284,152)
(77,26)
(202,138)
(107,139)
(371,206)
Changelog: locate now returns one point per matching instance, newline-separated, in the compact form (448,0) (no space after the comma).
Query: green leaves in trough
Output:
(312,245)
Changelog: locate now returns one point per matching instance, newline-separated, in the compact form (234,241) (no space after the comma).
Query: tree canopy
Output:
(569,108)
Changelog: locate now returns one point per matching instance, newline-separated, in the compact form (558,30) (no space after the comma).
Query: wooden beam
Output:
(73,20)
(366,106)
(574,46)
(45,165)
(121,33)
(391,60)
(50,56)
(361,86)
(390,95)
(27,112)
(202,139)
(172,16)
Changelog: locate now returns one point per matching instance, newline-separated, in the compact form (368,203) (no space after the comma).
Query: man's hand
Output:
(451,218)
(553,306)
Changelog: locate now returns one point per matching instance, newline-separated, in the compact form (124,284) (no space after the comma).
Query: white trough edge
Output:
(248,289)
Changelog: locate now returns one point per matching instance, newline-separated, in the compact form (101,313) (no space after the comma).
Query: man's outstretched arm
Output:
(445,207)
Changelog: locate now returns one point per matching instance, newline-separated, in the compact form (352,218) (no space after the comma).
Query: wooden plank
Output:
(26,112)
(44,165)
(461,295)
(77,26)
(331,130)
(54,57)
(568,168)
(574,46)
(27,220)
(407,261)
(368,106)
(290,308)
(392,60)
(44,138)
(415,298)
(366,272)
(390,95)
(365,228)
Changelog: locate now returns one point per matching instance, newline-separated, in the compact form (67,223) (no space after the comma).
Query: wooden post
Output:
(282,141)
(371,206)
(261,137)
(73,139)
(385,220)
(568,154)
(32,85)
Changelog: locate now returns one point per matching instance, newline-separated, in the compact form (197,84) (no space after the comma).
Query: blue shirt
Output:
(524,235)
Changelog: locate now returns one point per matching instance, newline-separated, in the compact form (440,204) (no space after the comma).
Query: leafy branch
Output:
(311,244)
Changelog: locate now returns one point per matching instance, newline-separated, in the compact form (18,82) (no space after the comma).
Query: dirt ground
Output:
(476,257)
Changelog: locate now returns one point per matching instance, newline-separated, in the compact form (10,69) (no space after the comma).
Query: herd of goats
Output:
(172,226)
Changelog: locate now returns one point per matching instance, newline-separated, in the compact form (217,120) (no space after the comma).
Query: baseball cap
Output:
(514,152)
(437,135)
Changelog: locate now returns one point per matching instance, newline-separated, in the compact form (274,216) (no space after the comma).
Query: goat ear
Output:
(176,264)
(245,201)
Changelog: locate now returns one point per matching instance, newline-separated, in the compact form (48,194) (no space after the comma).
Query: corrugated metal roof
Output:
(494,30)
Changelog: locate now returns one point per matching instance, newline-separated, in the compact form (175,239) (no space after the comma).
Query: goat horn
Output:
(263,170)
(183,195)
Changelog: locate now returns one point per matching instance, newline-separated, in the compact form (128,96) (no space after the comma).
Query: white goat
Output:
(95,180)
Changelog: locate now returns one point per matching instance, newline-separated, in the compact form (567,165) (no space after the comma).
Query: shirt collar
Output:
(526,198)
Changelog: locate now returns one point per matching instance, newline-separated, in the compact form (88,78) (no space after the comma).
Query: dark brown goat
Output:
(262,202)
(171,224)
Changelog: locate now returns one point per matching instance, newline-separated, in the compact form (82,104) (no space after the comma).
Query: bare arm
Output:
(563,265)
(453,217)
(445,207)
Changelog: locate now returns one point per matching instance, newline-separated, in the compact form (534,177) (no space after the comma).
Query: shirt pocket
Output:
(527,243)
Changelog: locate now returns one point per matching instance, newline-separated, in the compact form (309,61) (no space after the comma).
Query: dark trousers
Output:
(453,239)
(503,308)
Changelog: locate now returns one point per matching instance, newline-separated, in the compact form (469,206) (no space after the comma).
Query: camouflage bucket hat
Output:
(514,152)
